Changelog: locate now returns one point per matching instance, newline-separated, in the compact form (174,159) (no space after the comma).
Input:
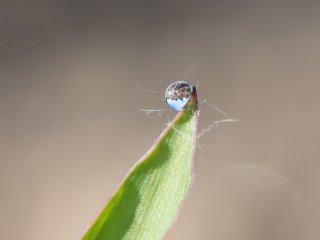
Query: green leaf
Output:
(147,201)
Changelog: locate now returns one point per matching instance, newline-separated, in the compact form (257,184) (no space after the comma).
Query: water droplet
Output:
(178,94)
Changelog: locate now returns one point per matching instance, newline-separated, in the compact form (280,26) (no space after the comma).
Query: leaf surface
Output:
(147,201)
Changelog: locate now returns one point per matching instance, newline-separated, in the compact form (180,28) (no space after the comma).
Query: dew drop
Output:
(178,94)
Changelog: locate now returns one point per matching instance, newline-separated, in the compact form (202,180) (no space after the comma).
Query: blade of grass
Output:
(147,201)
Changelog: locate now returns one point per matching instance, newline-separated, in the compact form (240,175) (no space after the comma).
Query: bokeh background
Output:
(70,127)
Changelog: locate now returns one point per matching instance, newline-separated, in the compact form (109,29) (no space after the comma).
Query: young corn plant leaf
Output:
(147,202)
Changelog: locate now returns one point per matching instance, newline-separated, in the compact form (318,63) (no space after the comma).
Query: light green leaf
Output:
(147,201)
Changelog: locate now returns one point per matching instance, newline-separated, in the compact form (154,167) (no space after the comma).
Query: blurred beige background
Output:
(70,126)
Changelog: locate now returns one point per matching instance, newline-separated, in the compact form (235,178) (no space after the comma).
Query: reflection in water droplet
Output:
(178,94)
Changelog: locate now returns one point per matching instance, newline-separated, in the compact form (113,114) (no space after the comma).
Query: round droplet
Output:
(178,94)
